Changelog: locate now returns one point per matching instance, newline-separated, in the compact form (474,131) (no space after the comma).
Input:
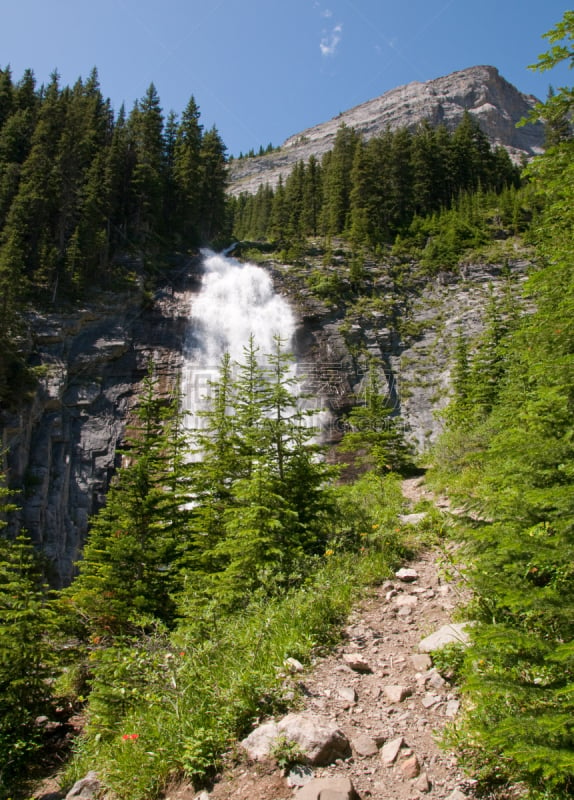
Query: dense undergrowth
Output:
(164,703)
(508,456)
(170,707)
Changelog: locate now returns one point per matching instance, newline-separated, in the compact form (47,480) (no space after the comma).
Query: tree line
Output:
(372,191)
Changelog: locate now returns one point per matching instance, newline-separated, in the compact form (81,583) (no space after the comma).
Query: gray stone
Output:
(423,784)
(347,693)
(396,693)
(421,662)
(407,575)
(429,700)
(364,746)
(357,662)
(328,789)
(452,708)
(260,741)
(319,738)
(391,750)
(455,632)
(457,795)
(87,787)
(410,600)
(293,665)
(300,775)
(412,519)
(435,679)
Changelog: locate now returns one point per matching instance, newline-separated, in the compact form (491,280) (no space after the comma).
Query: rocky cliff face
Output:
(60,447)
(482,91)
(411,334)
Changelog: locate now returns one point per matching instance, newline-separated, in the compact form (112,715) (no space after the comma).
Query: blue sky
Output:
(262,70)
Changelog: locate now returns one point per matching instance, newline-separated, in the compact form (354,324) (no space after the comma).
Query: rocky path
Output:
(382,694)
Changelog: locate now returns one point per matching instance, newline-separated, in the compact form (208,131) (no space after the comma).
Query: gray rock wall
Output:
(413,339)
(61,445)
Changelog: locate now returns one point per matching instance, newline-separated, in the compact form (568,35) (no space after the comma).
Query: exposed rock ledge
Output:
(481,90)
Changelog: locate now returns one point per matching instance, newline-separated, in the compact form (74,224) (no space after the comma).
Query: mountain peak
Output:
(480,90)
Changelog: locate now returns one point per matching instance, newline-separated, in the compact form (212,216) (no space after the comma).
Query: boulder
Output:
(412,519)
(455,632)
(407,575)
(259,743)
(87,787)
(317,737)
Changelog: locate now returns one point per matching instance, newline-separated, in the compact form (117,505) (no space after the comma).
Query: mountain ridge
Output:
(481,90)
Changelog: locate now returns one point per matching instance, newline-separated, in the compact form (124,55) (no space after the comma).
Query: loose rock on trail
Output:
(383,695)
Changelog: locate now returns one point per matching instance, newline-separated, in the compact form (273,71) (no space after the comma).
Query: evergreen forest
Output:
(227,548)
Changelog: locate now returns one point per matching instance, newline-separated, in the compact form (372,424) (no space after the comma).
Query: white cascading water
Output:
(236,301)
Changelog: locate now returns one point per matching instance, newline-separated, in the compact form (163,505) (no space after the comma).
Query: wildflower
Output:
(375,526)
(182,653)
(329,552)
(130,736)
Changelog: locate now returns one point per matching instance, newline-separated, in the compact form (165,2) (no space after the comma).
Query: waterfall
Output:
(235,301)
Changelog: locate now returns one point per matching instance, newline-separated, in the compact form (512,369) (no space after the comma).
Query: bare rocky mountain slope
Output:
(481,91)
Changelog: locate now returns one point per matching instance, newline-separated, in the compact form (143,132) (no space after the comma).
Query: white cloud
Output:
(330,41)
(327,13)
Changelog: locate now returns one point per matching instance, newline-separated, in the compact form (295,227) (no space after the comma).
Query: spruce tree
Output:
(26,658)
(212,209)
(374,436)
(187,172)
(519,671)
(127,573)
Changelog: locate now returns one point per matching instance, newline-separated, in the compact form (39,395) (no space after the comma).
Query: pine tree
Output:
(374,436)
(127,571)
(26,659)
(187,172)
(212,209)
(216,450)
(145,126)
(337,182)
